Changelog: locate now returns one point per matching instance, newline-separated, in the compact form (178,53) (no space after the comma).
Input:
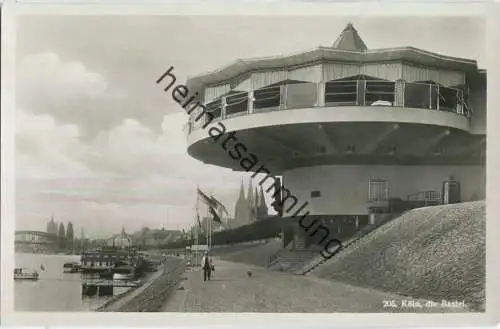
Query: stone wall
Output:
(155,295)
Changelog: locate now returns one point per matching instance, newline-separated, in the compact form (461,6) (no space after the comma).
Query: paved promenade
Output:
(231,290)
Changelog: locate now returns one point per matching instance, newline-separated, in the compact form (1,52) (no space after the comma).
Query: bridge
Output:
(32,241)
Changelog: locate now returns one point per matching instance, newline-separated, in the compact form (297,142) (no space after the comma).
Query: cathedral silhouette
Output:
(249,208)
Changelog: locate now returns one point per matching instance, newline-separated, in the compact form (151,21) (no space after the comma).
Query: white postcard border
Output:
(9,12)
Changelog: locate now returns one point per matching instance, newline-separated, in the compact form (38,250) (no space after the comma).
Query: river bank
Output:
(153,294)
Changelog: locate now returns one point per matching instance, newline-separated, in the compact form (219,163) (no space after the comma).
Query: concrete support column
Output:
(399,93)
(371,219)
(223,110)
(361,93)
(283,96)
(320,101)
(251,99)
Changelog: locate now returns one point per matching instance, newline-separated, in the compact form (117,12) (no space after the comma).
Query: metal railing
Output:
(401,94)
(428,196)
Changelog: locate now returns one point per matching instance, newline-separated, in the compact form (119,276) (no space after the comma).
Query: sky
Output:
(99,144)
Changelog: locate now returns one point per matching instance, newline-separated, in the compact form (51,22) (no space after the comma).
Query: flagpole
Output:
(210,234)
(196,227)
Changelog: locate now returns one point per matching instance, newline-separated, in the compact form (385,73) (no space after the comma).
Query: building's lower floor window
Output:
(378,190)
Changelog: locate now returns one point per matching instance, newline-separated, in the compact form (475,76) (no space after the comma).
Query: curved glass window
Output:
(357,90)
(448,99)
(237,103)
(215,108)
(267,98)
(417,95)
(338,93)
(379,93)
(301,95)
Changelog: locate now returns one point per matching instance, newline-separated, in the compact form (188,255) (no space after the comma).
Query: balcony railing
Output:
(401,94)
(427,196)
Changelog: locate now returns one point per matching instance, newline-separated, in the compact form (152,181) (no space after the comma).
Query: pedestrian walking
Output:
(206,264)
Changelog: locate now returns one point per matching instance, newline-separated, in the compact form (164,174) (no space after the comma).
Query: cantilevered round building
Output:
(356,133)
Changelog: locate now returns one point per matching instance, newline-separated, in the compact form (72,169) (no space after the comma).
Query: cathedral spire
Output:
(242,191)
(240,208)
(262,204)
(250,192)
(255,206)
(250,202)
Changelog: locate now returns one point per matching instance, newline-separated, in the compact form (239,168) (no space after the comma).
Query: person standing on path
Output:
(206,264)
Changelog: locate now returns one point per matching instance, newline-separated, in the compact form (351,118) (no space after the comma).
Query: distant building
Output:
(52,227)
(123,240)
(249,208)
(35,241)
(155,237)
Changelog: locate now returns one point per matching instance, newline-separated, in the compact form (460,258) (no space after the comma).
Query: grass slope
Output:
(432,253)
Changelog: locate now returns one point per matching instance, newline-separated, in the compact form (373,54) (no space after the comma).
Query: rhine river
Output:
(54,290)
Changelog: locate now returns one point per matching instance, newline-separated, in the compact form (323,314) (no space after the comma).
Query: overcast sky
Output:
(99,144)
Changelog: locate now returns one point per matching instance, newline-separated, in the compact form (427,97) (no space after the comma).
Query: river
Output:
(54,290)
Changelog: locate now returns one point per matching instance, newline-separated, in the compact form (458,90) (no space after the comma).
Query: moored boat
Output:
(21,274)
(108,261)
(123,276)
(71,267)
(108,274)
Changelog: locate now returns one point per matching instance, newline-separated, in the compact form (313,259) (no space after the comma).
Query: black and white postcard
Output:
(294,163)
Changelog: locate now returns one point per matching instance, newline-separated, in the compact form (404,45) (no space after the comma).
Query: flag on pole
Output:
(219,205)
(206,199)
(199,222)
(211,201)
(216,216)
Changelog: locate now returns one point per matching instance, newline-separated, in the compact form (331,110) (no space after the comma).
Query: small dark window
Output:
(351,148)
(315,194)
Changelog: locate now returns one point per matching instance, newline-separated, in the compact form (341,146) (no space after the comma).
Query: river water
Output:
(54,290)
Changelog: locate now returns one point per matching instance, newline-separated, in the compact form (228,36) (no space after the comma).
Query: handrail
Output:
(429,195)
(339,93)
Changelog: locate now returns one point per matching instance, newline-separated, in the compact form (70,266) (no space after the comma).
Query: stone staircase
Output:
(291,261)
(319,260)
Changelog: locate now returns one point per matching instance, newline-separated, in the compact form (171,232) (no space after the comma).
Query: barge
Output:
(107,262)
(22,274)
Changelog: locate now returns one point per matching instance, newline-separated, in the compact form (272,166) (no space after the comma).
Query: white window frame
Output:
(378,194)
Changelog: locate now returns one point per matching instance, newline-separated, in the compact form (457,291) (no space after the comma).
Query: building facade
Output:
(120,241)
(35,241)
(351,131)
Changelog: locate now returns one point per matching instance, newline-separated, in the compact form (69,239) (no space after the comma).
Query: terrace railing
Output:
(289,96)
(426,197)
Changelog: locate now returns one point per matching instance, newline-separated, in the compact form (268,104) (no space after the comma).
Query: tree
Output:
(144,234)
(61,237)
(69,235)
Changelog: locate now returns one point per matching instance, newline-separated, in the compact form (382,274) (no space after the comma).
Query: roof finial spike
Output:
(349,40)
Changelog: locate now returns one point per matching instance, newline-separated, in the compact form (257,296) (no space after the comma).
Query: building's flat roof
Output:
(326,55)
